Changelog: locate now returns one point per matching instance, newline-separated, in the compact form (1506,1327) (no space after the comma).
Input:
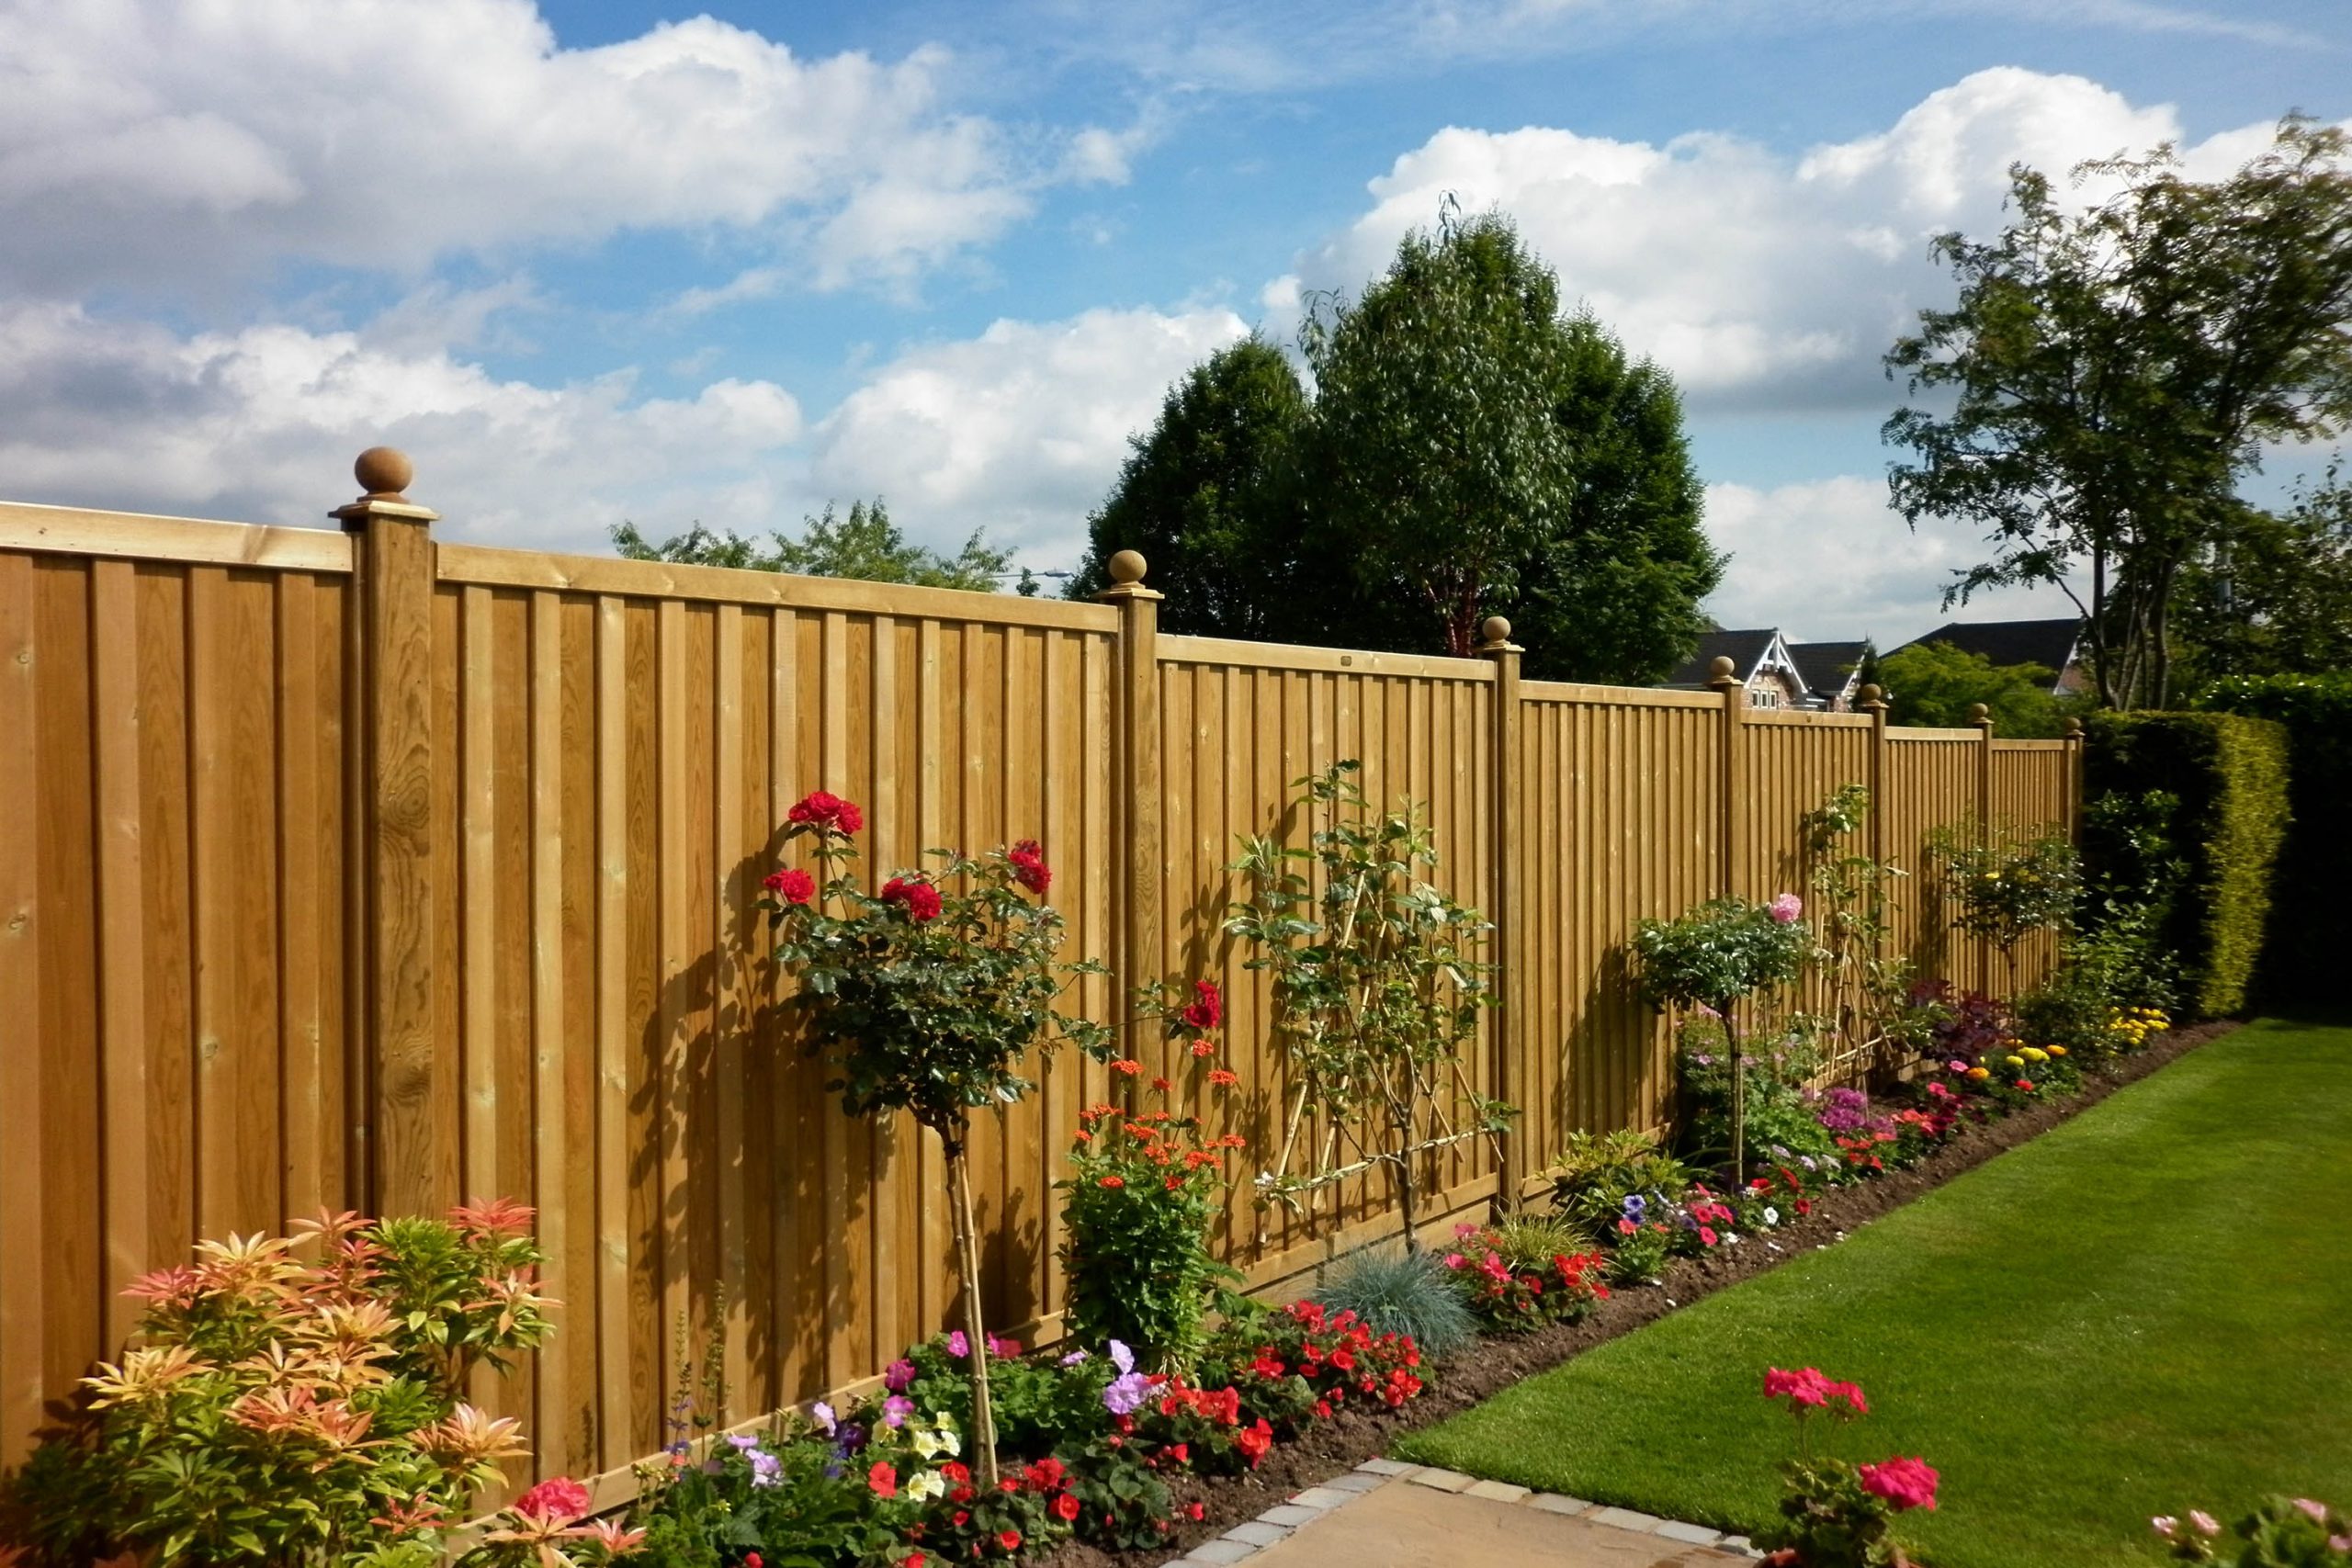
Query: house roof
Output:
(1746,649)
(1828,666)
(2050,644)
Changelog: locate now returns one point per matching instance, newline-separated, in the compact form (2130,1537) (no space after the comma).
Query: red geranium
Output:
(883,1478)
(558,1500)
(1906,1483)
(1065,1507)
(1207,1009)
(1009,1540)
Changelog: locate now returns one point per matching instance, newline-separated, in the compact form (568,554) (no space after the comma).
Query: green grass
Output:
(2147,1309)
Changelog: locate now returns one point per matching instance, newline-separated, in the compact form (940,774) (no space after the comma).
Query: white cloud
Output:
(155,143)
(1019,431)
(260,424)
(1828,558)
(1762,281)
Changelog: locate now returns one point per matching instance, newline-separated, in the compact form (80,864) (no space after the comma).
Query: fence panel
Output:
(362,871)
(171,929)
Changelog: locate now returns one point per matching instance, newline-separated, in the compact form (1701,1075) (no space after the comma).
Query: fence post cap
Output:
(384,474)
(1721,673)
(2072,727)
(1128,566)
(1871,696)
(1979,714)
(1496,629)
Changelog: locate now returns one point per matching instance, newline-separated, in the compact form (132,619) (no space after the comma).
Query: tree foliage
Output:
(1935,684)
(2106,376)
(2276,597)
(1210,497)
(864,545)
(1467,451)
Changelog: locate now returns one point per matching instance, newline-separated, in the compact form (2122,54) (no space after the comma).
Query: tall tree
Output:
(2112,373)
(1209,496)
(2275,598)
(1439,466)
(1613,596)
(866,544)
(1934,684)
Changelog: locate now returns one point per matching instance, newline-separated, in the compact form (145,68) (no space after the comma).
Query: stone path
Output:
(1387,1515)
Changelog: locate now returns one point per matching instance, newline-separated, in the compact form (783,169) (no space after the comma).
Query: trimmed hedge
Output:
(2306,924)
(2213,786)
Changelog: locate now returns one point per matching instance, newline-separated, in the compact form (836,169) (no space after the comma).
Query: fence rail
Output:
(357,869)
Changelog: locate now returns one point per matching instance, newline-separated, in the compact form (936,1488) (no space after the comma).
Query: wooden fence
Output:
(356,869)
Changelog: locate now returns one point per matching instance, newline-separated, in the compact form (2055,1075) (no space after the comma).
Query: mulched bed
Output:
(1331,1447)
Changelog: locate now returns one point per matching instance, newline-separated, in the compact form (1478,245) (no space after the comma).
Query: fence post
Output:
(1982,717)
(1135,790)
(1510,1080)
(2073,785)
(404,1093)
(1733,691)
(1872,700)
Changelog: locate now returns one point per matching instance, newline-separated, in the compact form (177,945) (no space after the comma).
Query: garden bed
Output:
(1329,1448)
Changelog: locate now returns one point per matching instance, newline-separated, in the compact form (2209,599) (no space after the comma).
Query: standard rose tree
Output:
(925,997)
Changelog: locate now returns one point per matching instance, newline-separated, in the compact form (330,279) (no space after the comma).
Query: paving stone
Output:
(1697,1535)
(1740,1544)
(1443,1480)
(1559,1503)
(1257,1532)
(1356,1481)
(1221,1550)
(1501,1491)
(1324,1497)
(1626,1518)
(1388,1467)
(1291,1515)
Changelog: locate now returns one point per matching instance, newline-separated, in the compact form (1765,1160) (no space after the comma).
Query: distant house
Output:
(1759,657)
(1833,671)
(2055,645)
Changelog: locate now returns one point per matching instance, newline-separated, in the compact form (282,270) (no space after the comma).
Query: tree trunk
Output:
(968,1261)
(1738,1101)
(1405,1171)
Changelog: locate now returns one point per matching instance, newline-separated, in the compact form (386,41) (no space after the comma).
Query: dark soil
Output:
(1331,1447)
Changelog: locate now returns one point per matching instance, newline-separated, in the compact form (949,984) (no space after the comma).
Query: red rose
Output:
(1029,867)
(1207,1009)
(1065,1507)
(919,898)
(822,809)
(793,887)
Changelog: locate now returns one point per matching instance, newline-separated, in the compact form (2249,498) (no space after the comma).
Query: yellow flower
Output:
(2035,1054)
(2014,1060)
(2057,1049)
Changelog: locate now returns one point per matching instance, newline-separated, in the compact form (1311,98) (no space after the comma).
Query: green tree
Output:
(866,544)
(1209,496)
(2275,598)
(1934,685)
(2106,376)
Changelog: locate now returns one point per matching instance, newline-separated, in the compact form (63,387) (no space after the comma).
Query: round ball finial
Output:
(2073,726)
(1979,714)
(1869,693)
(383,471)
(1496,629)
(1127,567)
(1721,669)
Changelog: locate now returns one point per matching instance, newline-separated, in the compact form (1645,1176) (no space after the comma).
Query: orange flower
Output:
(1126,1066)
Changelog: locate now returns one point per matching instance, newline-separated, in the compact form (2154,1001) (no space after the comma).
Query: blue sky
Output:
(588,261)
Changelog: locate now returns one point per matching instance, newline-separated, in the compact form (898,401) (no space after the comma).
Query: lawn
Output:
(2145,1310)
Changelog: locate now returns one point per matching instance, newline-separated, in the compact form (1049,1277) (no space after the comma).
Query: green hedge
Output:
(2299,960)
(2212,787)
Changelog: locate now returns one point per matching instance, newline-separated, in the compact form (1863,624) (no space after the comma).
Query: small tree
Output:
(1374,1001)
(1868,991)
(1716,957)
(2004,886)
(924,997)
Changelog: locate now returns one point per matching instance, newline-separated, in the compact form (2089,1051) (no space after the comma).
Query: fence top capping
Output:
(384,474)
(1720,673)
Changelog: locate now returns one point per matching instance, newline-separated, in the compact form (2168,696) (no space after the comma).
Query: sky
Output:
(589,261)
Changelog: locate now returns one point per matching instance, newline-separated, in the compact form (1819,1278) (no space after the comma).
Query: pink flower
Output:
(1787,909)
(1706,1236)
(1955,1065)
(2315,1512)
(2205,1523)
(897,1375)
(1906,1483)
(2165,1524)
(558,1500)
